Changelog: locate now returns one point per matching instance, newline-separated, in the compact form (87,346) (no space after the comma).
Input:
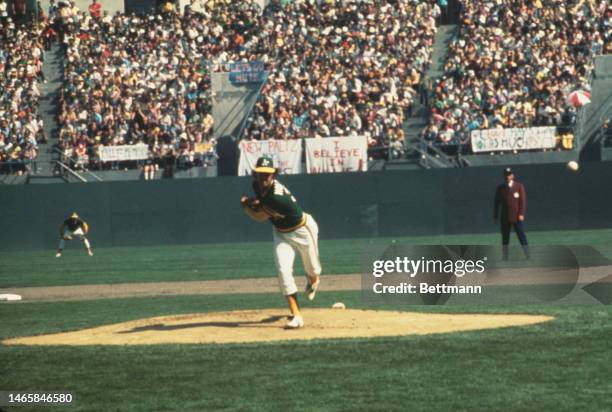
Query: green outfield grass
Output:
(225,261)
(562,365)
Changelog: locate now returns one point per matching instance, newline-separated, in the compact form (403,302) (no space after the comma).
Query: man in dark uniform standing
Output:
(511,200)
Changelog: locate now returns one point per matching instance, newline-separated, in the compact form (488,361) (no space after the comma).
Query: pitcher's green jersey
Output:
(285,213)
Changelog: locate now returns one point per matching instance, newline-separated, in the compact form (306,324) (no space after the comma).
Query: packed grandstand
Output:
(334,68)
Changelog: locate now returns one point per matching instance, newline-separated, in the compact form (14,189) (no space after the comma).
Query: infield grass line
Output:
(228,261)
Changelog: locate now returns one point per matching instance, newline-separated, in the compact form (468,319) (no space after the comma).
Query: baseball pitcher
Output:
(71,227)
(293,230)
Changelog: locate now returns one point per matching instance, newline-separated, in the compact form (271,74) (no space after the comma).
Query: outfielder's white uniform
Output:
(73,233)
(305,240)
(73,227)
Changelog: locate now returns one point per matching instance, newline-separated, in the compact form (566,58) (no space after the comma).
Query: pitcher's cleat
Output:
(58,254)
(311,288)
(295,323)
(90,252)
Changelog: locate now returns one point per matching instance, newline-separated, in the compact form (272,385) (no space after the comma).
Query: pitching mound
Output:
(268,325)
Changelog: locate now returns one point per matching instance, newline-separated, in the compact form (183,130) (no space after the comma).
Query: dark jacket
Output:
(511,201)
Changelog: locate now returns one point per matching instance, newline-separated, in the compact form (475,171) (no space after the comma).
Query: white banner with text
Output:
(128,152)
(336,154)
(286,154)
(494,140)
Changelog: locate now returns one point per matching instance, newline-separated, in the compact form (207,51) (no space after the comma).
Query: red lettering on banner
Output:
(278,145)
(335,155)
(253,147)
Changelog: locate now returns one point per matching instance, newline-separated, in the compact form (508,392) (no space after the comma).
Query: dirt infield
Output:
(206,287)
(268,325)
(254,285)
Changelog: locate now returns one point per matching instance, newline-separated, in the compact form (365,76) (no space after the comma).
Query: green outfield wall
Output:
(398,203)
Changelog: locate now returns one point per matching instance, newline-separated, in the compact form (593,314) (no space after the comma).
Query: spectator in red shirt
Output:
(95,9)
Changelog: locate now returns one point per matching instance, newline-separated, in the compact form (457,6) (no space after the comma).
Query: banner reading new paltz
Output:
(286,154)
(336,154)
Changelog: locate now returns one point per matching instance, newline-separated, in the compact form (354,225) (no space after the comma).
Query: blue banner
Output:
(249,72)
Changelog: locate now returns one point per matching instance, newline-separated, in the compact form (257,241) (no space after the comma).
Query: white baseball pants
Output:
(304,240)
(77,233)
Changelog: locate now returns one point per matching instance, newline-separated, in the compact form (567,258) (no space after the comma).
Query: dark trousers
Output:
(506,227)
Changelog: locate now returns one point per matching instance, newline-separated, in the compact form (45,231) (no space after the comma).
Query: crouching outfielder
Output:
(292,230)
(73,227)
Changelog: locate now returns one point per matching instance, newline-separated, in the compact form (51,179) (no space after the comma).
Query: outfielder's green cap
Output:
(264,165)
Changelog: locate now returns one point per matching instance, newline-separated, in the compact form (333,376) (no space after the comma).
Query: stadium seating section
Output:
(336,68)
(21,59)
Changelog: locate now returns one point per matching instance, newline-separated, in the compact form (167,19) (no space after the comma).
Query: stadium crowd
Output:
(344,68)
(513,64)
(145,79)
(338,68)
(21,58)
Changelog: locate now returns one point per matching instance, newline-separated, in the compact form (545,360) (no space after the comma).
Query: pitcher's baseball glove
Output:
(253,209)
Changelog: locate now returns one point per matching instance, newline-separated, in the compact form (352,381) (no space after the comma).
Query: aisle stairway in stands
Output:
(599,110)
(52,68)
(414,125)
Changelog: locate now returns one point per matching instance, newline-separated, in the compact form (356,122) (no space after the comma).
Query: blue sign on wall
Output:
(250,72)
